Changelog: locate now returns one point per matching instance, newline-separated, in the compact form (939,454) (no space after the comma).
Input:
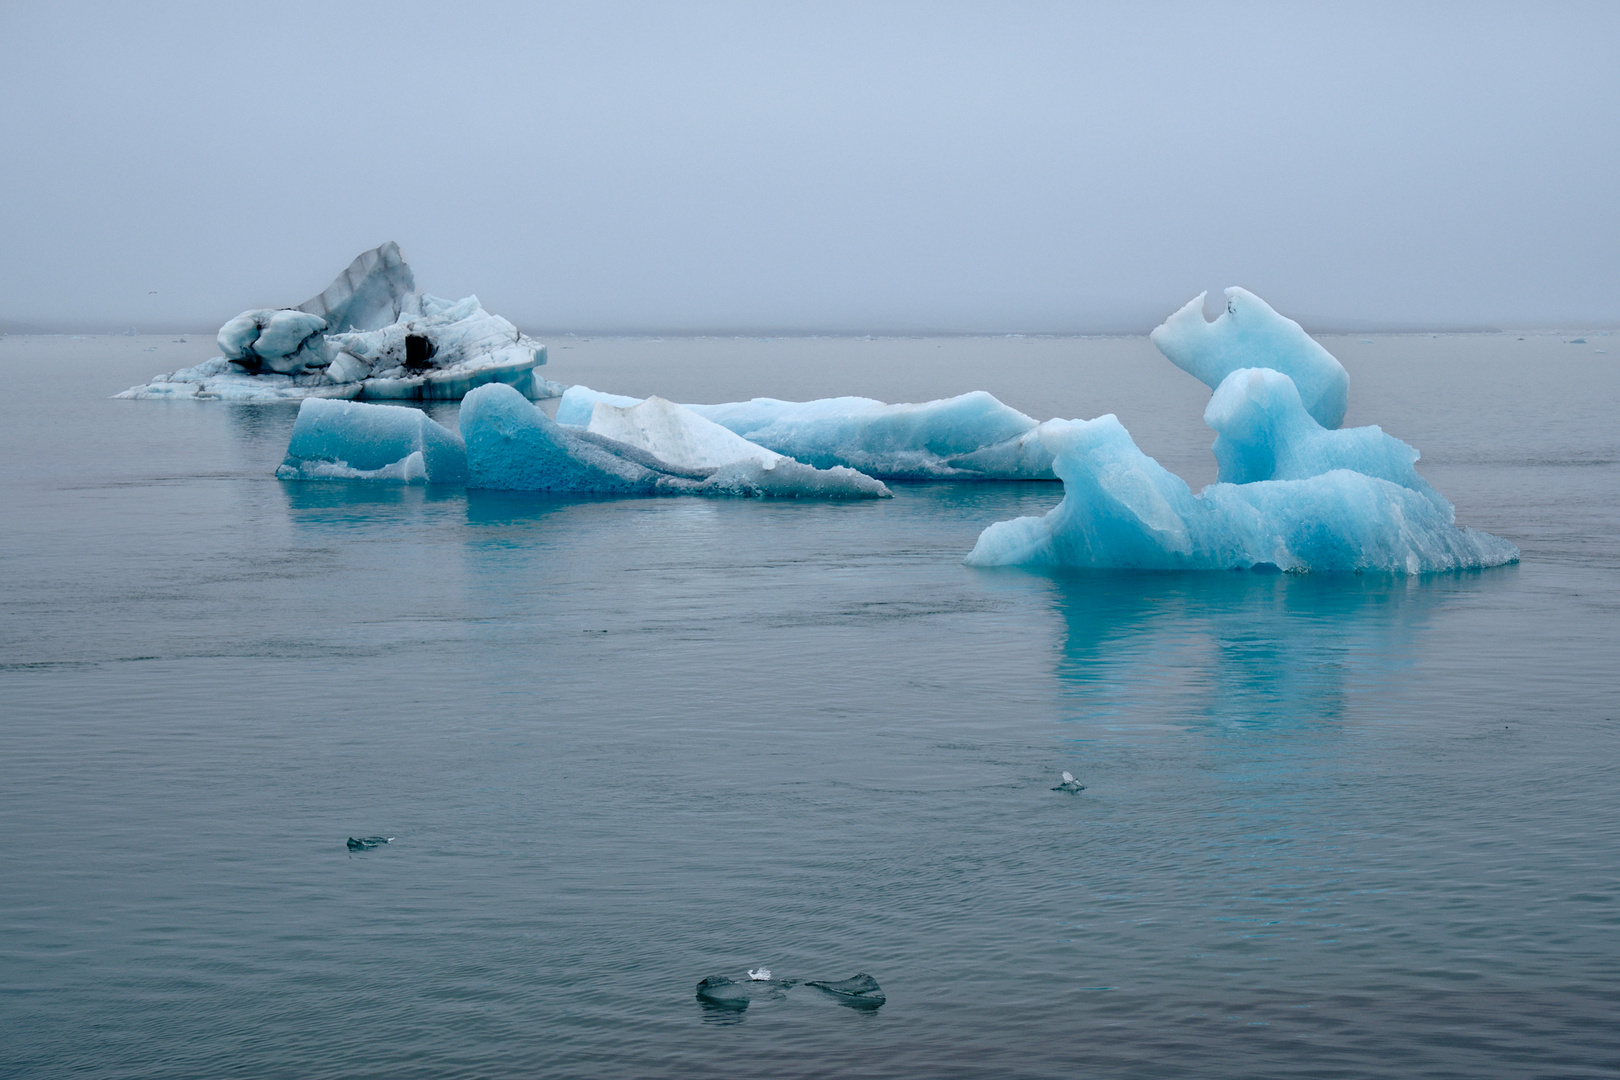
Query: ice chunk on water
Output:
(971,436)
(675,433)
(370,335)
(1264,433)
(367,843)
(513,446)
(724,992)
(1069,784)
(1121,509)
(859,991)
(1250,334)
(348,440)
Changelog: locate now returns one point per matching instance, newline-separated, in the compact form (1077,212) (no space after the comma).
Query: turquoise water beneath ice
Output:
(1353,826)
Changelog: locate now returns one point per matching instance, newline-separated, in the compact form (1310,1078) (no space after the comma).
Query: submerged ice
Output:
(1292,493)
(970,436)
(372,335)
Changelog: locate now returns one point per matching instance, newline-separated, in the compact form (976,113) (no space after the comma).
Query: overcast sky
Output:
(815,166)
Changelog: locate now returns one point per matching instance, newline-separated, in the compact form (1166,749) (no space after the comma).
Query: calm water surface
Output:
(1332,827)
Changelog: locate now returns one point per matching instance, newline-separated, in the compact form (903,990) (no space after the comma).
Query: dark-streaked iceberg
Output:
(370,335)
(968,437)
(1293,494)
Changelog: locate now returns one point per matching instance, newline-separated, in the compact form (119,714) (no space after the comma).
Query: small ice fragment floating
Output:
(859,991)
(370,335)
(723,992)
(1292,493)
(366,843)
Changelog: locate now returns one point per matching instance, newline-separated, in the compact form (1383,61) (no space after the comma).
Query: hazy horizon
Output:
(777,169)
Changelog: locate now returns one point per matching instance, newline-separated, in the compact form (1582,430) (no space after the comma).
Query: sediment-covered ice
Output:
(971,436)
(369,335)
(1292,493)
(514,446)
(351,440)
(1250,334)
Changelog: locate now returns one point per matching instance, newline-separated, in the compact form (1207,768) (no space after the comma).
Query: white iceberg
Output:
(514,446)
(1291,495)
(370,335)
(969,437)
(675,434)
(350,440)
(1250,334)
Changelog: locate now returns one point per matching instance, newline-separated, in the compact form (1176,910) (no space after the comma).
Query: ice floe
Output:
(351,440)
(970,436)
(514,446)
(369,335)
(1292,494)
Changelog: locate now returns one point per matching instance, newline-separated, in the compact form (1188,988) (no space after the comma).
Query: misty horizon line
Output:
(1331,328)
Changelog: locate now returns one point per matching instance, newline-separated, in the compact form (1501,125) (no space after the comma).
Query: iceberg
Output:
(1292,492)
(514,446)
(351,440)
(1250,334)
(675,434)
(1263,432)
(369,335)
(969,437)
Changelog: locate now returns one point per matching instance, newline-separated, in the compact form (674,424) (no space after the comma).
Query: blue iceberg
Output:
(968,437)
(1292,494)
(1250,334)
(514,446)
(350,440)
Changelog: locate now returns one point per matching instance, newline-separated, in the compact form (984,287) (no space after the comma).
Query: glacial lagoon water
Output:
(1330,827)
